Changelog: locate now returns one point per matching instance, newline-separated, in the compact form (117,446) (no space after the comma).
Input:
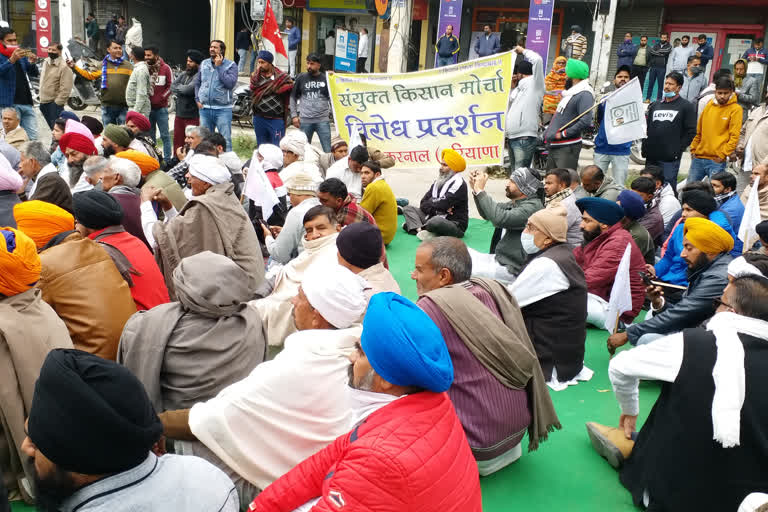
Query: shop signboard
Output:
(539,27)
(43,26)
(346,51)
(337,5)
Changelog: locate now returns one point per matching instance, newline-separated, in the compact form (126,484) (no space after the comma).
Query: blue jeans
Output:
(703,167)
(521,152)
(28,119)
(656,76)
(241,65)
(323,130)
(254,55)
(670,170)
(619,165)
(51,111)
(159,119)
(113,115)
(268,131)
(444,61)
(220,119)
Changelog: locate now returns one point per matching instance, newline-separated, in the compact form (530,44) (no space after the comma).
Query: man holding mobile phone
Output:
(15,62)
(213,91)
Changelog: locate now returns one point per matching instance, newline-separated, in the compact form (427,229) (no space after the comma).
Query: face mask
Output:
(528,246)
(669,94)
(696,70)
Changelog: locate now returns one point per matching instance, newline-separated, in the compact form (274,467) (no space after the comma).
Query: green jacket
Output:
(511,216)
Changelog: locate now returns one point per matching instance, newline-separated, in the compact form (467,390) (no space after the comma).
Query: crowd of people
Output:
(191,331)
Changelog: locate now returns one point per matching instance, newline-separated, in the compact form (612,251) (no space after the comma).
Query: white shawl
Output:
(573,91)
(728,372)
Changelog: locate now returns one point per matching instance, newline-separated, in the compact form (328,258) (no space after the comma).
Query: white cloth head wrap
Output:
(294,142)
(9,178)
(272,155)
(209,169)
(740,267)
(336,293)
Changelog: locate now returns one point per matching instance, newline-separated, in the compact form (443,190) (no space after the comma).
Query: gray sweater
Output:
(310,100)
(692,87)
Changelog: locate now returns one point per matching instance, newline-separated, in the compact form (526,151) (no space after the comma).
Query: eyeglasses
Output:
(717,303)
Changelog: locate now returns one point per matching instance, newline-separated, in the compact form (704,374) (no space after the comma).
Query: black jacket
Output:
(453,196)
(671,128)
(658,54)
(183,89)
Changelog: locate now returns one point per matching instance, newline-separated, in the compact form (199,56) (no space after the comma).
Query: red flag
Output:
(271,31)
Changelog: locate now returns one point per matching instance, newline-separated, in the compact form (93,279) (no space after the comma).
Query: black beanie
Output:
(90,415)
(700,201)
(95,209)
(360,244)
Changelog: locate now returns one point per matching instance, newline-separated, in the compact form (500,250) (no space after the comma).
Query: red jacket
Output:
(600,260)
(410,455)
(148,288)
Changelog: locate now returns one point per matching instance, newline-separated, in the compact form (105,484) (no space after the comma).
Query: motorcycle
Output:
(241,110)
(84,92)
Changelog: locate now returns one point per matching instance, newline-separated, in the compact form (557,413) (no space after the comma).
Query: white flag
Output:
(624,118)
(621,293)
(751,218)
(354,137)
(259,189)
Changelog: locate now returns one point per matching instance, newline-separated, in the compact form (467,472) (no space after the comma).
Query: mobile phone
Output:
(645,277)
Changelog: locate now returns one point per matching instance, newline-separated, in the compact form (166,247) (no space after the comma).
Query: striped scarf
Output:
(107,60)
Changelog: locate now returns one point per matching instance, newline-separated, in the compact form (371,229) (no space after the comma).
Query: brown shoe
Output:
(610,443)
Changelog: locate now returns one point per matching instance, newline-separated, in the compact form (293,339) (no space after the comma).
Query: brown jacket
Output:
(756,128)
(81,283)
(56,82)
(29,329)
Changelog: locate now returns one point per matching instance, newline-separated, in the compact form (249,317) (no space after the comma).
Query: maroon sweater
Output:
(131,204)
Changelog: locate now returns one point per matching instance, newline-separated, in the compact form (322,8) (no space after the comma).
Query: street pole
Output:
(603,27)
(399,36)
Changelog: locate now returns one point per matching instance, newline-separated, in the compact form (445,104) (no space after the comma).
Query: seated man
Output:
(652,219)
(705,251)
(319,244)
(47,185)
(210,331)
(284,243)
(576,188)
(498,391)
(117,467)
(154,176)
(294,417)
(294,146)
(557,187)
(707,429)
(230,159)
(379,200)
(29,329)
(213,220)
(116,139)
(758,171)
(728,202)
(664,197)
(339,150)
(140,127)
(605,241)
(78,280)
(597,184)
(99,216)
(121,179)
(271,159)
(348,171)
(552,293)
(444,209)
(15,135)
(333,194)
(359,246)
(177,168)
(524,190)
(411,453)
(634,209)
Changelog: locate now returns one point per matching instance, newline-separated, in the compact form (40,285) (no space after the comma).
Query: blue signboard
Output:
(346,51)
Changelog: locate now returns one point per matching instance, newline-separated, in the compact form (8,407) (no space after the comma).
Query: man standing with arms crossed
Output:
(213,91)
(658,63)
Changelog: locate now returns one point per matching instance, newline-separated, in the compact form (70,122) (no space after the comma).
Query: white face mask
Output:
(528,246)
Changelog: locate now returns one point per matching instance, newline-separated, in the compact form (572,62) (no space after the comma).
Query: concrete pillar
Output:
(71,21)
(399,35)
(308,43)
(424,43)
(601,54)
(223,24)
(380,49)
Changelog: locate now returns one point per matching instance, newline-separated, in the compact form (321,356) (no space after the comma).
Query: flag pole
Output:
(590,109)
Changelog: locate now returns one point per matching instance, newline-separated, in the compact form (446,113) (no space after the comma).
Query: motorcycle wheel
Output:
(635,155)
(75,103)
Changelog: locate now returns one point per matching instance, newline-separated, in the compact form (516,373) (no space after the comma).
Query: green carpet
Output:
(564,473)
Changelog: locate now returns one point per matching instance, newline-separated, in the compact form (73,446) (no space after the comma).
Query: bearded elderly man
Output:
(319,243)
(29,329)
(359,246)
(259,428)
(605,242)
(209,331)
(705,250)
(213,220)
(707,428)
(552,293)
(99,216)
(95,451)
(406,450)
(444,209)
(78,280)
(525,195)
(499,391)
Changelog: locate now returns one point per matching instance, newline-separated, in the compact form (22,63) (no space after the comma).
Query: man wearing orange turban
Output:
(41,221)
(29,329)
(156,177)
(79,279)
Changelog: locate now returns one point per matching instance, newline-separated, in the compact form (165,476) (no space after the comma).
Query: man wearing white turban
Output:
(288,408)
(294,147)
(284,244)
(10,183)
(213,220)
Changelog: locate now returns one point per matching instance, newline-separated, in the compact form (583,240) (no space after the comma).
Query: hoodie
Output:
(693,85)
(718,130)
(525,101)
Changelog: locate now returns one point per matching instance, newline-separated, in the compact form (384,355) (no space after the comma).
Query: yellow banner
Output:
(414,116)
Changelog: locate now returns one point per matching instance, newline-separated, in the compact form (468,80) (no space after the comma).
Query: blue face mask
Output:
(526,239)
(669,94)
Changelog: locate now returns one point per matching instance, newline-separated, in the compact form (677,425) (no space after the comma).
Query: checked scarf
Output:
(108,60)
(266,93)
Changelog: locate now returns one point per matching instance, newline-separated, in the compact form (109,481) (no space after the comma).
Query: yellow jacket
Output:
(718,131)
(380,201)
